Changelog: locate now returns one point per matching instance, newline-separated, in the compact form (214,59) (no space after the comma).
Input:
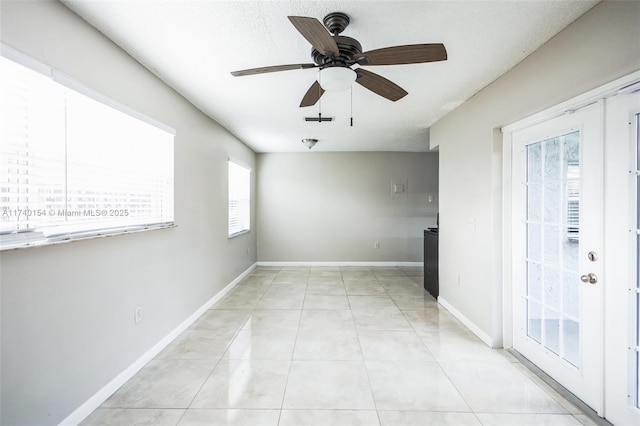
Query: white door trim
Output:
(620,222)
(574,104)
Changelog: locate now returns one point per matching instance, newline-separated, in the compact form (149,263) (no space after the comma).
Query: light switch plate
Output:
(399,188)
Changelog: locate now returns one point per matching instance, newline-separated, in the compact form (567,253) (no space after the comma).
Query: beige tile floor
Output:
(333,346)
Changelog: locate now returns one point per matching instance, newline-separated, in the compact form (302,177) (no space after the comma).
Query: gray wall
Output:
(67,310)
(602,45)
(323,207)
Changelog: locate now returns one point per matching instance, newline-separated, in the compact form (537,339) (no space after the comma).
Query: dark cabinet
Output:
(431,261)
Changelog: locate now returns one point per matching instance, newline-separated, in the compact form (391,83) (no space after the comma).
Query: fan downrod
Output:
(336,22)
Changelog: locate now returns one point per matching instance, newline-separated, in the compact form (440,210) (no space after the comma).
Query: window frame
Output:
(30,238)
(246,228)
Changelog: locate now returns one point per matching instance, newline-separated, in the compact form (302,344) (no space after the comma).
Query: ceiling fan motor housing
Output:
(336,22)
(349,47)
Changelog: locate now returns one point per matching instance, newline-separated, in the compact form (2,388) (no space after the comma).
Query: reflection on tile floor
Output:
(333,346)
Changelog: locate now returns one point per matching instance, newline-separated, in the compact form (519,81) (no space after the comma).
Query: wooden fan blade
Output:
(407,54)
(313,95)
(380,85)
(316,34)
(274,68)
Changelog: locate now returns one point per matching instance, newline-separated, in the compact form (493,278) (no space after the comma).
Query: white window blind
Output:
(73,167)
(239,199)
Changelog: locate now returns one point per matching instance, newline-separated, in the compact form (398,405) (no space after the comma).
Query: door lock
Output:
(589,278)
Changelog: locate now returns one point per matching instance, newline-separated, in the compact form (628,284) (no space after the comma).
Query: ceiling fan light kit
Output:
(336,79)
(309,143)
(335,55)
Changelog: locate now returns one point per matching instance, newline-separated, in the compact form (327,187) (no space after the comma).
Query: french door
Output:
(557,202)
(622,244)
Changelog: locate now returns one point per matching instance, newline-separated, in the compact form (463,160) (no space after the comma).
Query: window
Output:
(239,199)
(73,167)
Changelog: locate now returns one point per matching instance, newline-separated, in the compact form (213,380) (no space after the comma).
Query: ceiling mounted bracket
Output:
(336,22)
(320,118)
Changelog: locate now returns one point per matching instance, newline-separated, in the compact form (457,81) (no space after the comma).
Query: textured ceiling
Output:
(194,45)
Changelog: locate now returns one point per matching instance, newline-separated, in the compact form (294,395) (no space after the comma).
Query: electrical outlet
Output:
(376,245)
(137,314)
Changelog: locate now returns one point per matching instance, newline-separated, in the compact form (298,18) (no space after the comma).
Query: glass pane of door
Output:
(553,239)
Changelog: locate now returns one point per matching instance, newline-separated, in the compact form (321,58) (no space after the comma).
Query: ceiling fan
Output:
(335,55)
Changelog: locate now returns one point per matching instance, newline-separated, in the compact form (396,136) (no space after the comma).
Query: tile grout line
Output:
(364,361)
(284,393)
(218,362)
(471,410)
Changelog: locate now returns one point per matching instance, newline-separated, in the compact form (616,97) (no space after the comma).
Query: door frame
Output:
(620,190)
(588,98)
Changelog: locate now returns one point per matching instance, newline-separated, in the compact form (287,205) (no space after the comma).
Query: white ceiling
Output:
(194,45)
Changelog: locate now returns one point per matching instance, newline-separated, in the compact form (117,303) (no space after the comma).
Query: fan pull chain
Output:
(351,105)
(319,98)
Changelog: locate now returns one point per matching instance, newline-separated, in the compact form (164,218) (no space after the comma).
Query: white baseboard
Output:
(99,397)
(380,264)
(467,322)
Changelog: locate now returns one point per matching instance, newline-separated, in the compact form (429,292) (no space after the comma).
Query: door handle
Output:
(589,278)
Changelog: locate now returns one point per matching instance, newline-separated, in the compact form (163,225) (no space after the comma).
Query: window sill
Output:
(71,238)
(237,234)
